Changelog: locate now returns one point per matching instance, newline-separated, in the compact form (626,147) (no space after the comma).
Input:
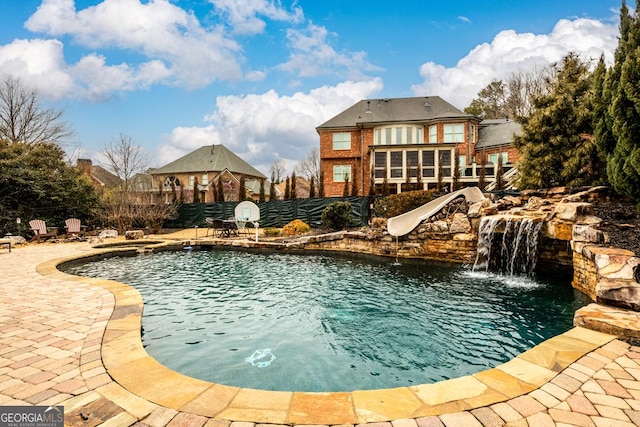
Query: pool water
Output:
(327,323)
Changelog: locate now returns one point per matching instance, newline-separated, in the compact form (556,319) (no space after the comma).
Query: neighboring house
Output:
(101,177)
(408,141)
(303,187)
(204,167)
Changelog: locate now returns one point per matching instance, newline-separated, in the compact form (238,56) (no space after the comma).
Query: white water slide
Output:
(403,224)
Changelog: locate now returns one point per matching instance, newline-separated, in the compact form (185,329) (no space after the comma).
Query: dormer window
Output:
(398,135)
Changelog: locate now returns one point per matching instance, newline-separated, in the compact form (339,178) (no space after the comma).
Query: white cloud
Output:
(312,55)
(511,52)
(243,14)
(261,128)
(156,30)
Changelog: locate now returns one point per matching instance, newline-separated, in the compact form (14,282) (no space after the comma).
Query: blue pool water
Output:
(324,323)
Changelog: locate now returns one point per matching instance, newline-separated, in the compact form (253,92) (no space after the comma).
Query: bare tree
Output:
(310,167)
(23,120)
(125,159)
(278,170)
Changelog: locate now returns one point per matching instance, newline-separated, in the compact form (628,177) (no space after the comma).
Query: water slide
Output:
(403,224)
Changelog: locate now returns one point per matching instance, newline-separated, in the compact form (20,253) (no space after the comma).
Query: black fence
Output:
(275,213)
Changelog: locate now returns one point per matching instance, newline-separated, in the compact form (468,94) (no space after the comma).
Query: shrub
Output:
(337,215)
(271,232)
(378,222)
(397,204)
(296,228)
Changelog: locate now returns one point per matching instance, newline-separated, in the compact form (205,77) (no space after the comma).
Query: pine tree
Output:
(354,186)
(321,184)
(242,189)
(385,184)
(312,188)
(294,193)
(440,182)
(345,190)
(196,191)
(262,196)
(551,145)
(272,187)
(456,170)
(623,164)
(220,192)
(499,174)
(482,177)
(287,189)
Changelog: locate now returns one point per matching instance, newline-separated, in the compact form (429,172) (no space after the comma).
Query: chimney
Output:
(85,166)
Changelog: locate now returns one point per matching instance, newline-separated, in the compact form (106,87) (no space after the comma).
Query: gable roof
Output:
(104,177)
(210,158)
(497,132)
(376,111)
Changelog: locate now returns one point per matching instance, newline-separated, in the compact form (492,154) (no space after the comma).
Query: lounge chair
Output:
(75,227)
(40,230)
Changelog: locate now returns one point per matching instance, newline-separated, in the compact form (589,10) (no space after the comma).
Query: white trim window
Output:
(454,132)
(493,158)
(397,135)
(341,172)
(192,180)
(205,179)
(342,141)
(433,134)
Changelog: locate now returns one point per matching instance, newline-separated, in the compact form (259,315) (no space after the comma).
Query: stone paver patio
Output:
(75,342)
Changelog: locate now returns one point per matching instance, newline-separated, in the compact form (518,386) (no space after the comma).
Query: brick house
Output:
(204,167)
(410,141)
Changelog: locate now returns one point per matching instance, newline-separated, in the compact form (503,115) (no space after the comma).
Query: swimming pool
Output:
(325,323)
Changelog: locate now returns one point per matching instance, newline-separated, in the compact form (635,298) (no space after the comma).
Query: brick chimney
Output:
(85,166)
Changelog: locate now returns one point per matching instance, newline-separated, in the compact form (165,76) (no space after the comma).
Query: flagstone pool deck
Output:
(73,341)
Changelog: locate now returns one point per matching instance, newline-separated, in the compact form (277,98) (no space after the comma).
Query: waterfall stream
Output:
(518,251)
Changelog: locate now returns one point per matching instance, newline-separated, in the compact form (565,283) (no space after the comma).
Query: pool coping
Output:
(127,363)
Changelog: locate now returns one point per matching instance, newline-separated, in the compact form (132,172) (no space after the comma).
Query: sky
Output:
(258,76)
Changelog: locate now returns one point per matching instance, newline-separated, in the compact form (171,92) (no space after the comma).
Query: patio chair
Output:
(75,228)
(217,225)
(40,230)
(7,242)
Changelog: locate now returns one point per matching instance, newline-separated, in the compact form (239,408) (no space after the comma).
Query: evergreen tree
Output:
(321,184)
(499,174)
(440,182)
(242,189)
(345,190)
(552,143)
(220,192)
(372,185)
(456,170)
(482,177)
(623,164)
(419,185)
(294,192)
(196,191)
(287,189)
(262,196)
(385,184)
(312,188)
(354,186)
(272,187)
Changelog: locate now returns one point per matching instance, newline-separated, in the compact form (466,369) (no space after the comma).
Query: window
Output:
(205,179)
(444,162)
(433,133)
(396,164)
(341,172)
(412,163)
(493,158)
(380,164)
(398,135)
(454,133)
(342,141)
(171,181)
(192,180)
(428,164)
(472,133)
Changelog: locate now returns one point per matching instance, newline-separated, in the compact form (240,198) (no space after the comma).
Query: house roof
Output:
(210,158)
(497,132)
(104,177)
(370,112)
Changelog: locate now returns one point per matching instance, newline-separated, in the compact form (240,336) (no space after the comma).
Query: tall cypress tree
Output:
(294,192)
(312,188)
(272,187)
(262,195)
(623,164)
(287,189)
